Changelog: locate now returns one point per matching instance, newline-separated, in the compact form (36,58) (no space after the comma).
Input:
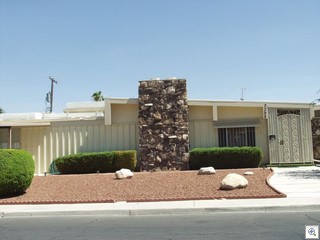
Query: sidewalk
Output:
(301,184)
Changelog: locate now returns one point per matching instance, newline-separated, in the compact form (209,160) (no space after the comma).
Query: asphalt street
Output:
(239,225)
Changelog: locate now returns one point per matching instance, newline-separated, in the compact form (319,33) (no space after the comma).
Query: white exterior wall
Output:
(51,139)
(64,138)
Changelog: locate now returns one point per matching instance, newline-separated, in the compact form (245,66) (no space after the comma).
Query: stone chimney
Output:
(163,125)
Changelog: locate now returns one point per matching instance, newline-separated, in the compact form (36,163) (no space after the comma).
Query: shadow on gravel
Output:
(307,174)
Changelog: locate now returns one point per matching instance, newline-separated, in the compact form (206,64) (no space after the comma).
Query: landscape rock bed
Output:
(142,187)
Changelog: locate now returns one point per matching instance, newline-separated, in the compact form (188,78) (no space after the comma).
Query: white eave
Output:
(83,107)
(228,103)
(24,123)
(122,100)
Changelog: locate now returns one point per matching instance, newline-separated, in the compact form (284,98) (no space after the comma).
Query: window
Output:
(237,137)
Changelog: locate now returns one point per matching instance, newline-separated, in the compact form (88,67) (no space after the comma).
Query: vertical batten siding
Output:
(49,143)
(202,134)
(306,135)
(273,130)
(102,140)
(45,147)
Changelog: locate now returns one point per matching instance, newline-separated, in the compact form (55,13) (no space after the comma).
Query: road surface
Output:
(240,225)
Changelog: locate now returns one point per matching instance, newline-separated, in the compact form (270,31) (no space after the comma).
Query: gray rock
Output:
(124,173)
(233,181)
(206,171)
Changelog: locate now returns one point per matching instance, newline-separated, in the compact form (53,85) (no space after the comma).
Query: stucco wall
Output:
(200,113)
(124,113)
(239,112)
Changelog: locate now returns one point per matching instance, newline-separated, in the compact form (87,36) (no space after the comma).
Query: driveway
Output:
(297,182)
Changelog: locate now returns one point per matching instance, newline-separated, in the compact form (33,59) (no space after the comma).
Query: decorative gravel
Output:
(143,186)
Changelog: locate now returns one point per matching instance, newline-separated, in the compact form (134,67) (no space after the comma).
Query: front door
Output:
(289,138)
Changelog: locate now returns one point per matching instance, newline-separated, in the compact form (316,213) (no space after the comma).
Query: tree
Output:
(97,96)
(1,110)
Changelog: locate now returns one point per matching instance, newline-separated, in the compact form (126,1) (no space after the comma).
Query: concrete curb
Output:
(172,211)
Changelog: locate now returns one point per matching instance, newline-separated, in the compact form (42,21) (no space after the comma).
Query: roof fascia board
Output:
(24,124)
(122,100)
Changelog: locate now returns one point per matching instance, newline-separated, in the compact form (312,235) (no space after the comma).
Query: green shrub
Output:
(225,157)
(97,161)
(125,159)
(16,171)
(85,163)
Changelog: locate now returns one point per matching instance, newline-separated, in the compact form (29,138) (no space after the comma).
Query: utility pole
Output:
(242,94)
(51,92)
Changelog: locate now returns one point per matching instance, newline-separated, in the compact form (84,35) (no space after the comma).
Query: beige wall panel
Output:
(306,135)
(239,112)
(262,140)
(126,137)
(114,135)
(84,139)
(102,139)
(90,138)
(120,143)
(134,137)
(202,134)
(200,113)
(77,139)
(32,140)
(96,139)
(124,113)
(49,143)
(108,138)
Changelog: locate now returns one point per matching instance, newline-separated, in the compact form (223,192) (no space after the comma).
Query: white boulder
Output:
(233,181)
(206,171)
(248,173)
(124,173)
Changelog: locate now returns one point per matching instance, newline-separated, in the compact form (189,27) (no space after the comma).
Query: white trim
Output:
(122,100)
(235,123)
(23,124)
(107,111)
(78,107)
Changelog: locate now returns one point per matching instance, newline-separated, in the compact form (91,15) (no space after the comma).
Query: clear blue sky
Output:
(270,48)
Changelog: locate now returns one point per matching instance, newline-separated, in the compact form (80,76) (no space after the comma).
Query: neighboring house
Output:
(281,130)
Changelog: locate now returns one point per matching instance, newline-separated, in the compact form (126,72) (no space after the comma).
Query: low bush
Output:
(16,171)
(96,162)
(85,163)
(125,159)
(225,157)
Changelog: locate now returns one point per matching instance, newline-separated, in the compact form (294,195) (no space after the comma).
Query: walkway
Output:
(297,182)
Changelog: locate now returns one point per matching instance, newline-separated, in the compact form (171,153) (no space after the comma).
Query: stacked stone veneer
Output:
(163,125)
(316,137)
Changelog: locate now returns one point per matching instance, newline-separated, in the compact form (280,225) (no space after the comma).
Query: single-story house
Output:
(281,130)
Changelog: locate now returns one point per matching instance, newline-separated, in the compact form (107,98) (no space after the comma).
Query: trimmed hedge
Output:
(97,161)
(225,157)
(125,159)
(85,163)
(16,171)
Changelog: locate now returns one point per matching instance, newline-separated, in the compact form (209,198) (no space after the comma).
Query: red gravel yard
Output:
(143,186)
